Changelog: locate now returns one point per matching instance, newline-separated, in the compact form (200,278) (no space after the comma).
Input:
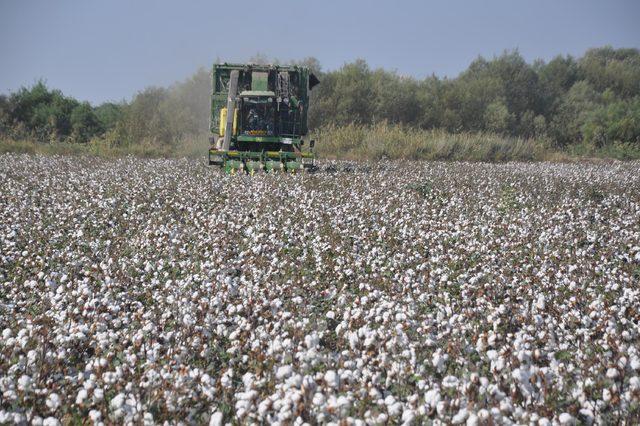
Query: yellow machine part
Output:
(223,121)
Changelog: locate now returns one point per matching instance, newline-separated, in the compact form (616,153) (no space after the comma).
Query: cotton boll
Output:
(432,397)
(24,383)
(216,419)
(541,303)
(439,360)
(460,417)
(82,395)
(53,401)
(318,399)
(95,415)
(566,419)
(51,421)
(331,379)
(284,372)
(450,382)
(473,420)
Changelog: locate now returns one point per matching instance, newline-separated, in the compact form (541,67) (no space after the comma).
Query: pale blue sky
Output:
(108,50)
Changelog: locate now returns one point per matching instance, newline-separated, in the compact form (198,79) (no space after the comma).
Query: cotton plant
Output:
(144,291)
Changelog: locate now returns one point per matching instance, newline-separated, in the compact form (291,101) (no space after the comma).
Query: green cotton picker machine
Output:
(259,118)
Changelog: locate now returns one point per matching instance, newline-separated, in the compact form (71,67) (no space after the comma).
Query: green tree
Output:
(609,68)
(497,117)
(84,123)
(109,114)
(572,113)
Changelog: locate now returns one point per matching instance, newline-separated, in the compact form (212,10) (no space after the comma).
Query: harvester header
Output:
(259,118)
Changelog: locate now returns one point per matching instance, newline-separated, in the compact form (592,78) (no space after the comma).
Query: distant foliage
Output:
(156,116)
(166,116)
(48,116)
(591,102)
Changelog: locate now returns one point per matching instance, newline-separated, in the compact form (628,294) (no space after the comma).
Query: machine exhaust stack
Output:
(231,106)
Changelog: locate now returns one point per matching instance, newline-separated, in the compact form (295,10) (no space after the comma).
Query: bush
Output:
(380,141)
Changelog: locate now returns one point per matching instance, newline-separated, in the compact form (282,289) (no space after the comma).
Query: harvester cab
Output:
(259,118)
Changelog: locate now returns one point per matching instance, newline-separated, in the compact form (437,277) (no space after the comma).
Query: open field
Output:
(151,290)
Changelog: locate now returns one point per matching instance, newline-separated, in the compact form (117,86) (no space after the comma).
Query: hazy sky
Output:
(108,50)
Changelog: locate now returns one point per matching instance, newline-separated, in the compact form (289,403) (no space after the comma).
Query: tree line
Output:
(594,99)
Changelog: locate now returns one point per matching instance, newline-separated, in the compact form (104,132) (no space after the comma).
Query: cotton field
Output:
(144,291)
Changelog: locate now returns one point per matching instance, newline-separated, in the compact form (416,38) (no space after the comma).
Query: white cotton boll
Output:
(606,395)
(53,401)
(566,419)
(98,395)
(473,420)
(82,395)
(483,414)
(216,419)
(439,360)
(263,407)
(51,421)
(395,410)
(6,333)
(225,380)
(408,416)
(19,418)
(247,380)
(24,383)
(541,303)
(374,393)
(117,402)
(331,315)
(311,340)
(505,405)
(370,341)
(284,372)
(205,379)
(95,415)
(432,397)
(612,373)
(382,418)
(460,416)
(343,402)
(318,399)
(309,384)
(32,356)
(188,320)
(353,340)
(634,383)
(331,379)
(450,382)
